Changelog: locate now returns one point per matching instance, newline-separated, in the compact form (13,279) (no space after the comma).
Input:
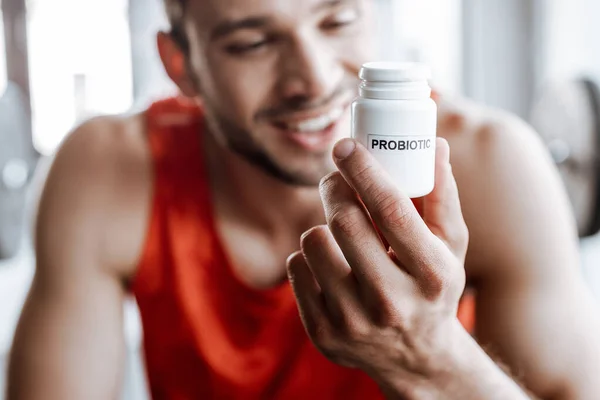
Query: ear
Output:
(174,61)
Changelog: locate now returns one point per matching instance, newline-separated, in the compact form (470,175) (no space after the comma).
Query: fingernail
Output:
(344,148)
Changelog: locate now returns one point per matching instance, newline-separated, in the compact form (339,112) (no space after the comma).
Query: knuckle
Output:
(457,279)
(435,286)
(322,337)
(363,174)
(391,210)
(357,331)
(436,276)
(390,316)
(443,279)
(458,240)
(463,236)
(348,221)
(353,328)
(387,310)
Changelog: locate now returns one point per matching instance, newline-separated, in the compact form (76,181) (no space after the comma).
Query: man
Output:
(195,208)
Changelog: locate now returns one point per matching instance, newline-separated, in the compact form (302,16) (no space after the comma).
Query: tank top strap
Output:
(181,198)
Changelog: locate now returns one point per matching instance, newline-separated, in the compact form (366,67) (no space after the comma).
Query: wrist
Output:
(447,358)
(457,369)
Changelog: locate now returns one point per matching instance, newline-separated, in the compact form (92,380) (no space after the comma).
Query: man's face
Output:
(276,77)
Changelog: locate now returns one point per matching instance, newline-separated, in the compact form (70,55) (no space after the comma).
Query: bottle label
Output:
(395,144)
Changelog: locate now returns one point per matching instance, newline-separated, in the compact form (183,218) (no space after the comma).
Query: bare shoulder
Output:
(489,146)
(478,132)
(513,200)
(96,197)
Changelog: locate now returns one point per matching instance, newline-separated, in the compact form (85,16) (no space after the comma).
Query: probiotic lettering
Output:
(400,145)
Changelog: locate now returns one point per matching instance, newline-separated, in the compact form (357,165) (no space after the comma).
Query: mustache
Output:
(304,103)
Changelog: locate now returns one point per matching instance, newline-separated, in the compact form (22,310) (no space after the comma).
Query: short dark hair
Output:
(175,13)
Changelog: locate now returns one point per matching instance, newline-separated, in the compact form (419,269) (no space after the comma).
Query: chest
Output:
(256,258)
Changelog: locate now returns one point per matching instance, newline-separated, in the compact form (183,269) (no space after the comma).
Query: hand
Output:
(388,311)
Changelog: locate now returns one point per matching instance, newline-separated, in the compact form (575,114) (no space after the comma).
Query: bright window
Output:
(430,31)
(80,64)
(570,33)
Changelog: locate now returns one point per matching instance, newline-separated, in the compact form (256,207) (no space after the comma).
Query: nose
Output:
(310,70)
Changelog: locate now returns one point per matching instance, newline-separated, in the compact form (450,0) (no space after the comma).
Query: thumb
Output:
(441,208)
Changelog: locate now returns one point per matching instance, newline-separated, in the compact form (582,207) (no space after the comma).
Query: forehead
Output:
(208,13)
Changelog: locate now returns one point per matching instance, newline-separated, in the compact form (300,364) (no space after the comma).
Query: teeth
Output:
(312,125)
(319,123)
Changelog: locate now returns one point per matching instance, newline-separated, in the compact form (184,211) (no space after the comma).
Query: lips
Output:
(314,124)
(314,141)
(314,133)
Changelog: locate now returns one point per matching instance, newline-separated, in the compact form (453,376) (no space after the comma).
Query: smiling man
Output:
(195,205)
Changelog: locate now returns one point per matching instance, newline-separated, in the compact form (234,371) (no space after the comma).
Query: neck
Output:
(246,193)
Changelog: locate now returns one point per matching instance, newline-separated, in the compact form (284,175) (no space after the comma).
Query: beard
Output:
(242,142)
(302,170)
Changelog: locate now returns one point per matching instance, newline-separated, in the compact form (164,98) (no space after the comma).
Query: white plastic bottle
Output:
(396,119)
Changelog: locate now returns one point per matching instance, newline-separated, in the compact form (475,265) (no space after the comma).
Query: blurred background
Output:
(63,61)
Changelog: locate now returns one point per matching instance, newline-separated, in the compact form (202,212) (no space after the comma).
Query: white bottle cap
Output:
(395,72)
(394,81)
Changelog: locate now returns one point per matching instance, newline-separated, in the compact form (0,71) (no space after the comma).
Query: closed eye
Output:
(341,20)
(246,48)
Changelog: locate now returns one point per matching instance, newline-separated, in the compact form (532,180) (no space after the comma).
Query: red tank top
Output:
(206,334)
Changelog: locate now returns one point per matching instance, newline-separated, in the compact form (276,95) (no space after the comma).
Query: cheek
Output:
(357,54)
(240,88)
(367,41)
(365,48)
(358,48)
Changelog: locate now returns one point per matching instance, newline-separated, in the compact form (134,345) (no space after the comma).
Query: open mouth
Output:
(312,125)
(312,133)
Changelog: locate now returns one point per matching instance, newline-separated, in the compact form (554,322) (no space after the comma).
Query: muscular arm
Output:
(534,311)
(69,343)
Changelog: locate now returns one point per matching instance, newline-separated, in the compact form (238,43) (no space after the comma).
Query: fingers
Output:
(308,294)
(441,208)
(354,233)
(333,274)
(394,213)
(325,260)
